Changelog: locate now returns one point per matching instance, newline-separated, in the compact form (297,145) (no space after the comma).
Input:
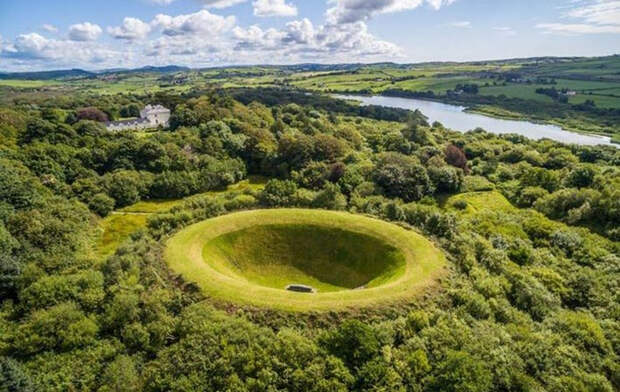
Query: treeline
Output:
(553,93)
(277,96)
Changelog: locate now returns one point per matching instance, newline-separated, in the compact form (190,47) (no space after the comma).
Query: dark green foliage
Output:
(354,342)
(460,372)
(401,176)
(240,356)
(125,187)
(101,204)
(62,327)
(446,179)
(131,110)
(526,303)
(13,378)
(278,193)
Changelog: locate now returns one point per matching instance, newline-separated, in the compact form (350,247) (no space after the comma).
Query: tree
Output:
(101,204)
(62,327)
(125,187)
(120,375)
(401,176)
(131,110)
(581,176)
(91,113)
(456,157)
(330,198)
(460,372)
(446,179)
(278,193)
(354,342)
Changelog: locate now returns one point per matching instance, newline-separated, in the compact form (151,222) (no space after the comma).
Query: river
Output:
(456,118)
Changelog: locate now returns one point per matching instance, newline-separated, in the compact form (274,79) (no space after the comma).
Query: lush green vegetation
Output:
(250,257)
(529,231)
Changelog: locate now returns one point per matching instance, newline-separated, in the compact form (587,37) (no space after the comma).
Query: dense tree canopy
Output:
(530,229)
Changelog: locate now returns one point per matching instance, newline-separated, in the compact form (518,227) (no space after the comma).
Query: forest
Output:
(528,301)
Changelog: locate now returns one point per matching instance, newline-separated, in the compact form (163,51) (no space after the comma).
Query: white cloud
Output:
(505,30)
(300,40)
(84,32)
(588,17)
(131,29)
(437,4)
(221,3)
(202,22)
(49,28)
(34,47)
(462,24)
(265,8)
(300,31)
(203,39)
(255,38)
(351,11)
(600,12)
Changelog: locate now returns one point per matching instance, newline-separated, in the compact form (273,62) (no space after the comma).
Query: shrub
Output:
(354,342)
(101,204)
(330,198)
(529,195)
(278,193)
(460,372)
(401,176)
(92,114)
(456,157)
(460,204)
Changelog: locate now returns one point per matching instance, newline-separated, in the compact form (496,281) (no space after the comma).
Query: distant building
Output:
(571,93)
(152,116)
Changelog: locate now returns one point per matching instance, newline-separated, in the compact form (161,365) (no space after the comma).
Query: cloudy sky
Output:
(97,34)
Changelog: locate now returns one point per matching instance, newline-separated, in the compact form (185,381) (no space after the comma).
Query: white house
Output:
(152,116)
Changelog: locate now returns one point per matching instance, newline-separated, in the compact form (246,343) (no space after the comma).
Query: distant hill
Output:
(80,73)
(150,69)
(47,75)
(304,67)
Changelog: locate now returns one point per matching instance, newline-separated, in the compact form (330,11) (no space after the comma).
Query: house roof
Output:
(135,121)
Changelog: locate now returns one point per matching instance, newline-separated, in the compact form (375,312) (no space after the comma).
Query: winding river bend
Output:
(456,118)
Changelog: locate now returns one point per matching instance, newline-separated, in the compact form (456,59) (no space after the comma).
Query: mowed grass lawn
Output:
(354,261)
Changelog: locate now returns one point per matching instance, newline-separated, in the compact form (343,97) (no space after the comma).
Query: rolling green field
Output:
(249,257)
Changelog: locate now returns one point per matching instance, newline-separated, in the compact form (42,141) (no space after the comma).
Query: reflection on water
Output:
(454,117)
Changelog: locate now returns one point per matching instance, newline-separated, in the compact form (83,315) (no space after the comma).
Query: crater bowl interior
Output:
(350,260)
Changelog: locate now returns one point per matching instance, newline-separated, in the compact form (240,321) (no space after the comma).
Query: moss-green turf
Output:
(353,261)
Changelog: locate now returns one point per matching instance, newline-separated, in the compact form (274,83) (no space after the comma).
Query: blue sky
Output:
(50,34)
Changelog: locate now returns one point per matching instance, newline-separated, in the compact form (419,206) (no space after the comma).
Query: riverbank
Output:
(573,125)
(463,119)
(503,114)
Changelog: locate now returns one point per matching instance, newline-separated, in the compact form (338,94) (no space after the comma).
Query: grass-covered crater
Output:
(350,260)
(325,258)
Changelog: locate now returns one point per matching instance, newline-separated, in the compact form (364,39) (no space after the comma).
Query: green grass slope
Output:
(249,257)
(328,259)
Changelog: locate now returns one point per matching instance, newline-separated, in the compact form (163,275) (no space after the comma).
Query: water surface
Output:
(456,118)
